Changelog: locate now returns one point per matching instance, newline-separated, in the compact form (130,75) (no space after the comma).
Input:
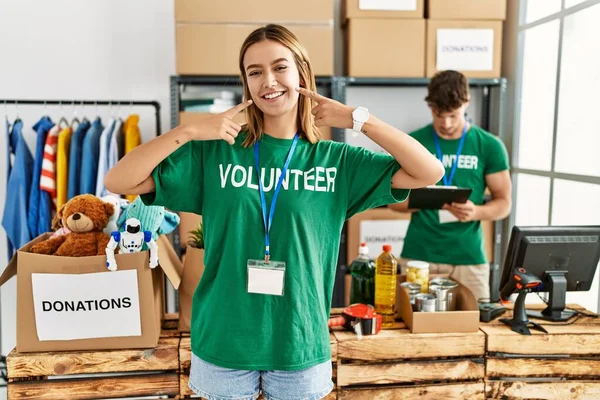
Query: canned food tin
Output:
(445,291)
(412,289)
(426,302)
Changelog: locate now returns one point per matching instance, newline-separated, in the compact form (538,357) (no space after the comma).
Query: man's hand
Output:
(465,212)
(328,112)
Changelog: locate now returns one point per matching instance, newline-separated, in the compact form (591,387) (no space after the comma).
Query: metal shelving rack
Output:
(492,119)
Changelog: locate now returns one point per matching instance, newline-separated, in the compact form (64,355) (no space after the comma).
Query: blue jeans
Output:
(217,383)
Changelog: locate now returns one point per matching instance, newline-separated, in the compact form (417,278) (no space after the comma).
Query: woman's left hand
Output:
(329,112)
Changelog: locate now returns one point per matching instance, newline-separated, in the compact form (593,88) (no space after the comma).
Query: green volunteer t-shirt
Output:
(326,184)
(456,243)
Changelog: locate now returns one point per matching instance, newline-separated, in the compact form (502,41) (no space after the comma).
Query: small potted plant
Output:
(193,267)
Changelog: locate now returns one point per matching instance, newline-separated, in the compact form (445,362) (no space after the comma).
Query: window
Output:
(556,143)
(575,203)
(527,211)
(578,131)
(537,9)
(571,3)
(538,88)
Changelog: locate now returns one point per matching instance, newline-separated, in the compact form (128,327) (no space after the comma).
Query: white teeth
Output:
(273,95)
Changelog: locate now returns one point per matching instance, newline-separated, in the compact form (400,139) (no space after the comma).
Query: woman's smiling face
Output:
(272,77)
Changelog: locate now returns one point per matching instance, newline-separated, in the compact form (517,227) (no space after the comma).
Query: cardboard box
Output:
(391,230)
(464,319)
(213,49)
(466,9)
(471,47)
(59,299)
(262,11)
(386,48)
(193,268)
(383,9)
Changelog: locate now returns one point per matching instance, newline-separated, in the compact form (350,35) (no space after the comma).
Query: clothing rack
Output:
(154,104)
(75,103)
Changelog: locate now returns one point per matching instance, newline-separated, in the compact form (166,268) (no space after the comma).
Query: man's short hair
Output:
(447,91)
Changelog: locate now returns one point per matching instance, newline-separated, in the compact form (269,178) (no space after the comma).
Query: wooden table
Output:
(97,374)
(398,364)
(563,364)
(395,364)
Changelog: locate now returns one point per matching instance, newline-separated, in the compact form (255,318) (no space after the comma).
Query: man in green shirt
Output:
(451,239)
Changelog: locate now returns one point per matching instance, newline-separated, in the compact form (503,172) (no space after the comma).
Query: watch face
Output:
(361,114)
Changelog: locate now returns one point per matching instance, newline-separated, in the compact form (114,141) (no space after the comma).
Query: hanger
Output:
(17,116)
(83,113)
(75,119)
(62,119)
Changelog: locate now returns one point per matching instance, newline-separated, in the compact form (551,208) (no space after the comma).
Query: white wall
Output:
(93,49)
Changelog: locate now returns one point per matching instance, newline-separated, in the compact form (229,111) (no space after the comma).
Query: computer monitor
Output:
(564,258)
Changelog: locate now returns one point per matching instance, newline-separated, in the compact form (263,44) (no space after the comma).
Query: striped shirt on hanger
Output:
(48,177)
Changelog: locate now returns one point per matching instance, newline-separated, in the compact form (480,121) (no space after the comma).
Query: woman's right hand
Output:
(218,126)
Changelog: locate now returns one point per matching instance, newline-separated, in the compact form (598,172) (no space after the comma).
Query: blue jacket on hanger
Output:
(89,163)
(14,220)
(39,216)
(74,181)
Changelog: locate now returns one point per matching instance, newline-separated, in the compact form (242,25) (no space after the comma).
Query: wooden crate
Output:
(97,374)
(185,359)
(563,364)
(397,364)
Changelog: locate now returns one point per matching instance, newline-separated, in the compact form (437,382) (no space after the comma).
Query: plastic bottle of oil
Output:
(385,286)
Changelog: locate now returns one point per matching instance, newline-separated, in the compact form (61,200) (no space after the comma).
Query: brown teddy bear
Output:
(84,216)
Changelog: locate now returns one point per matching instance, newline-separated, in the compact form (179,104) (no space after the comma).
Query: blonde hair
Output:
(254,116)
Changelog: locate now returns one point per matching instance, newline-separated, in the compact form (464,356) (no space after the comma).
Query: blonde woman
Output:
(273,198)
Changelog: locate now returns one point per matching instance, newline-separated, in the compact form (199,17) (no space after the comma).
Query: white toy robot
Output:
(130,241)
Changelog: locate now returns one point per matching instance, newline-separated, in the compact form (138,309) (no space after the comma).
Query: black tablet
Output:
(434,197)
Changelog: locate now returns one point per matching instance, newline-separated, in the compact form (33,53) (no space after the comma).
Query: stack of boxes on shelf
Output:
(417,38)
(465,35)
(384,38)
(209,34)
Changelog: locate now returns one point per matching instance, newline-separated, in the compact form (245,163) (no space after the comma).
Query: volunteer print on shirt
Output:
(318,179)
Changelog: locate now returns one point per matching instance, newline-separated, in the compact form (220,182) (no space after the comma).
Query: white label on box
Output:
(388,5)
(86,306)
(376,233)
(465,49)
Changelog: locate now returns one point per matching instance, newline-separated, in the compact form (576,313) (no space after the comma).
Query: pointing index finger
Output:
(232,112)
(310,94)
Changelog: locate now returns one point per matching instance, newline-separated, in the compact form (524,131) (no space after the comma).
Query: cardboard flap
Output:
(169,262)
(11,269)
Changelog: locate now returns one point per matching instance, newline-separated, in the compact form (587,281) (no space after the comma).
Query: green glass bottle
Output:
(363,278)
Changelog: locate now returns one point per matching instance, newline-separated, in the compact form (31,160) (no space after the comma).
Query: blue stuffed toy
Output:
(155,219)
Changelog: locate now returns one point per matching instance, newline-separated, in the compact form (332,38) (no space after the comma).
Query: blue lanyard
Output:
(268,222)
(448,179)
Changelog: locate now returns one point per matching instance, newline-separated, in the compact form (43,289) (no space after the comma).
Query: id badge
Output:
(266,278)
(447,217)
